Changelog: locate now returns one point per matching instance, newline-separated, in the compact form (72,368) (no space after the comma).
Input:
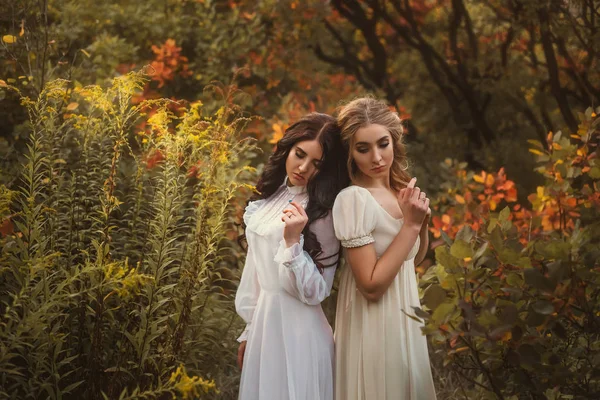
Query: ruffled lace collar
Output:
(264,216)
(293,189)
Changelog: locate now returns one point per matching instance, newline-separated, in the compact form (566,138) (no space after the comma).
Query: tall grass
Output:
(114,282)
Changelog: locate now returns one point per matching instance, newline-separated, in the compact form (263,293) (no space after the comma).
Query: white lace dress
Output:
(381,353)
(289,353)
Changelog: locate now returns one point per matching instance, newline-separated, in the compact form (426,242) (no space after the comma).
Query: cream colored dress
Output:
(381,353)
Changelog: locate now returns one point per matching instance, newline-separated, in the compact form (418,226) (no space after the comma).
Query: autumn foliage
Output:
(514,297)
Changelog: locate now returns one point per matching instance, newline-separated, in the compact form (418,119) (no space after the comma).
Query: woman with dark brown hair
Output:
(286,350)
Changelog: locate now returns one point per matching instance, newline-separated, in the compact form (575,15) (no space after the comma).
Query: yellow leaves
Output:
(485,178)
(536,152)
(160,121)
(493,204)
(127,281)
(460,199)
(3,83)
(489,180)
(9,39)
(190,387)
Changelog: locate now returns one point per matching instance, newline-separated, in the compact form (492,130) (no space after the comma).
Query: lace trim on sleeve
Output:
(358,242)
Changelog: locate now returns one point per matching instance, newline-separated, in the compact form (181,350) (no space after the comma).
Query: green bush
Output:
(513,302)
(115,276)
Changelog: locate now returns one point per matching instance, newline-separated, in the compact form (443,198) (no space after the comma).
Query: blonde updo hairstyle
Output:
(366,111)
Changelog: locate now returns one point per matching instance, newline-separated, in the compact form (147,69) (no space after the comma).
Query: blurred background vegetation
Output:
(125,169)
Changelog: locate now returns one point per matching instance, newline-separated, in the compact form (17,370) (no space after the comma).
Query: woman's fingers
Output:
(415,194)
(412,183)
(299,208)
(240,355)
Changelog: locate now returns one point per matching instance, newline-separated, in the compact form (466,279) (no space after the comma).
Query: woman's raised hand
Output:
(413,203)
(295,220)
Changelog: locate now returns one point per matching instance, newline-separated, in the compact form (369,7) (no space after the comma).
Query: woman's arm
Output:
(247,294)
(298,273)
(373,276)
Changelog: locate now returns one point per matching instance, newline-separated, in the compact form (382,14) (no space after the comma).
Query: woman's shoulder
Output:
(353,190)
(353,194)
(251,208)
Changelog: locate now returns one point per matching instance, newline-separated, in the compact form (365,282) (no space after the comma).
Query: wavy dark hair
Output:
(331,177)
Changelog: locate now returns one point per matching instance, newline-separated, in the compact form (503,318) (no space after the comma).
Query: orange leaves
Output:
(278,131)
(470,198)
(168,63)
(571,170)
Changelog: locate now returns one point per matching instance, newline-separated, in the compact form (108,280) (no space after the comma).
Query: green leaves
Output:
(116,272)
(536,279)
(461,249)
(543,307)
(527,304)
(434,296)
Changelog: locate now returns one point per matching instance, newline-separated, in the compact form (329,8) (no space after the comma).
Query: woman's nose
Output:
(376,156)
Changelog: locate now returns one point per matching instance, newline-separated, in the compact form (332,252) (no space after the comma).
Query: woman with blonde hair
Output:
(381,221)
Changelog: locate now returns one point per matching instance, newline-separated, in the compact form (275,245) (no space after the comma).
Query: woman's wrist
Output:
(289,242)
(412,227)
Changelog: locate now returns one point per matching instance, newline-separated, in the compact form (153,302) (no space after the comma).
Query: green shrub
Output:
(115,278)
(514,299)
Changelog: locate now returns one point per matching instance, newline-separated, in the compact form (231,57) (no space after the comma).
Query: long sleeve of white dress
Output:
(298,272)
(289,353)
(249,287)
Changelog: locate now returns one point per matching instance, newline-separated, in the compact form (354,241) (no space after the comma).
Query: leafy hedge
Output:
(513,300)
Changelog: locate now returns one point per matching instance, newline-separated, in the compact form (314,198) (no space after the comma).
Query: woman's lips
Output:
(299,177)
(378,169)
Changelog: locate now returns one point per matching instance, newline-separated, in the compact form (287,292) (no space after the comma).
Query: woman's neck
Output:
(373,183)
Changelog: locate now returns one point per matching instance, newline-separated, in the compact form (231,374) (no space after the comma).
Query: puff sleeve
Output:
(298,273)
(354,218)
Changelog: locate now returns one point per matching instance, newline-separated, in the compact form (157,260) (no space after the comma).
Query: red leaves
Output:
(154,158)
(6,227)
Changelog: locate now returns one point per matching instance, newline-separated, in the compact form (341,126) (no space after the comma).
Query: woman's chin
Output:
(375,174)
(295,181)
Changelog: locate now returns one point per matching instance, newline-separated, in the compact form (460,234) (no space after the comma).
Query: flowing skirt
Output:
(290,352)
(381,353)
